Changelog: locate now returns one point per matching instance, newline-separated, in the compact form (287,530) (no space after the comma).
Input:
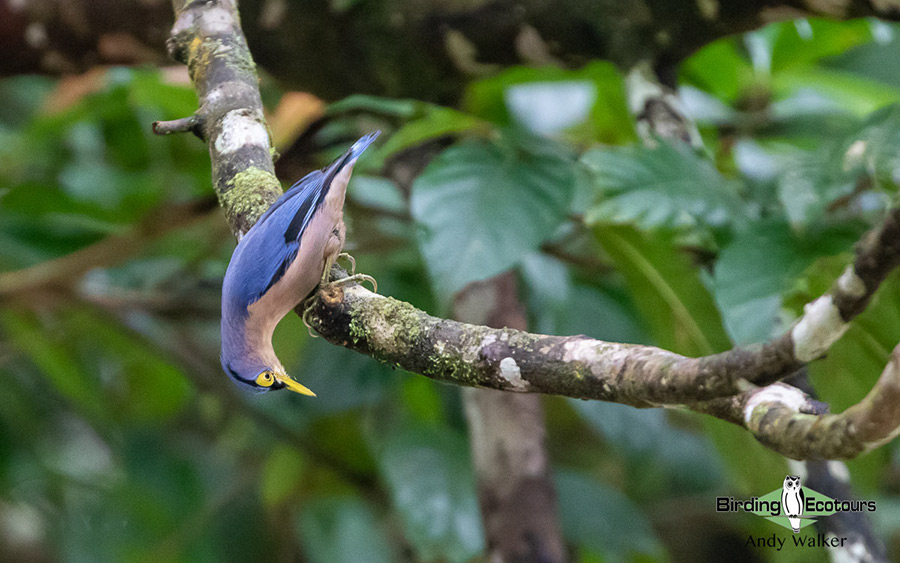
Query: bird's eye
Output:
(265,379)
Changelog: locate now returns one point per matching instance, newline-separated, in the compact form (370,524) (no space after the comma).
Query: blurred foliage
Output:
(120,440)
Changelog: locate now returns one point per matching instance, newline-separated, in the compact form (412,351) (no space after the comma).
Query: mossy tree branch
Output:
(207,37)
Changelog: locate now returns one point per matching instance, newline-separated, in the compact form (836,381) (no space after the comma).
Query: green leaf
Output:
(718,68)
(662,186)
(602,519)
(756,268)
(342,530)
(804,41)
(375,104)
(482,207)
(341,378)
(422,400)
(848,92)
(752,466)
(429,476)
(667,290)
(683,318)
(379,193)
(605,313)
(435,122)
(606,120)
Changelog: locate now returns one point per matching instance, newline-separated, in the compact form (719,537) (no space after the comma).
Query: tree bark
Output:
(427,49)
(507,437)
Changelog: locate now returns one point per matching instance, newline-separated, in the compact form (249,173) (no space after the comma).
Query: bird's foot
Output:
(355,278)
(350,259)
(308,307)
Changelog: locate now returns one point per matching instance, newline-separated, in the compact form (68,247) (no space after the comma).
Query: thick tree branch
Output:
(427,50)
(577,366)
(207,38)
(791,422)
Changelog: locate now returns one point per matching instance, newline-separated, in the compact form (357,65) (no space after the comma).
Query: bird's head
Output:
(262,378)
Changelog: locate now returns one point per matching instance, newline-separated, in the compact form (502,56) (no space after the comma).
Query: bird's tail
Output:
(361,145)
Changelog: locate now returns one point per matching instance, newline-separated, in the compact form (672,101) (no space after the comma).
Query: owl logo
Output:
(792,501)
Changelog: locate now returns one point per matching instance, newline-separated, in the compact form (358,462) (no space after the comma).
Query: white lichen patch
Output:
(240,130)
(819,328)
(488,340)
(360,291)
(851,284)
(853,552)
(509,370)
(641,87)
(36,35)
(217,21)
(581,351)
(854,155)
(797,468)
(709,9)
(603,358)
(791,397)
(839,471)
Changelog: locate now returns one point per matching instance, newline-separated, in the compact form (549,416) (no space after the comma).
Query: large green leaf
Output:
(342,530)
(665,185)
(718,68)
(603,521)
(429,476)
(806,41)
(848,92)
(481,207)
(605,312)
(756,268)
(341,378)
(429,123)
(667,290)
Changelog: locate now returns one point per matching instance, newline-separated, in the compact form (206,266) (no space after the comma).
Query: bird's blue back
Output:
(270,246)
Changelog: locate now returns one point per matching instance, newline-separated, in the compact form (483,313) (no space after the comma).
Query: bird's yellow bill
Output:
(294,386)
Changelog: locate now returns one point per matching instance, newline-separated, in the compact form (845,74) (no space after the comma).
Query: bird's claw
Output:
(355,278)
(310,304)
(350,259)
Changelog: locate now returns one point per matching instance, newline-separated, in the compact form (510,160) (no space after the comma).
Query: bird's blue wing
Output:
(278,232)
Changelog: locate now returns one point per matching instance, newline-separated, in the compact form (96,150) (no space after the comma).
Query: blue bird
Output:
(278,264)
